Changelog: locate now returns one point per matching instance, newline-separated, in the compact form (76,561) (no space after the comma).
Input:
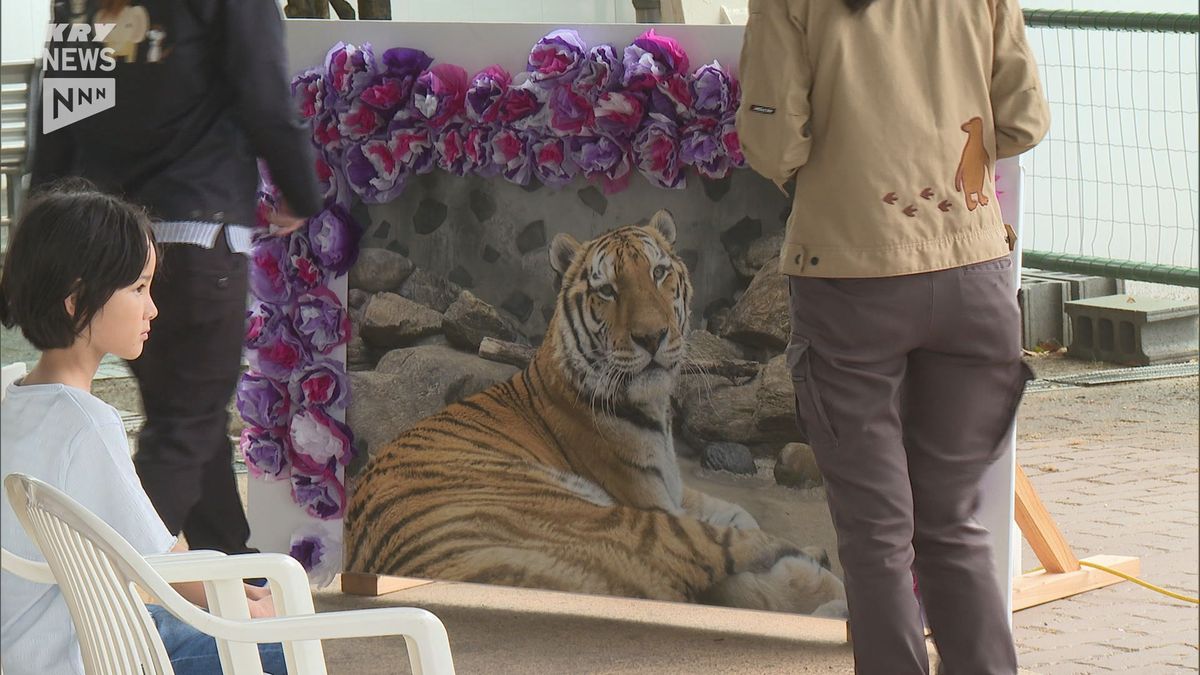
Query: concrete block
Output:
(1042,316)
(1083,286)
(1133,331)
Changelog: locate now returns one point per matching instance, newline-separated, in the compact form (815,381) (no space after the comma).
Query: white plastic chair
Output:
(99,574)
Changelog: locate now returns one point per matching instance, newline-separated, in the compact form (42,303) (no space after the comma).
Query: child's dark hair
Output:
(71,240)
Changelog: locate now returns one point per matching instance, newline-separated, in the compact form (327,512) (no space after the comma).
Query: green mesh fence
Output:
(1113,187)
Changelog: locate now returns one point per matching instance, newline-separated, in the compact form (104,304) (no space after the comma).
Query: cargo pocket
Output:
(810,410)
(1010,403)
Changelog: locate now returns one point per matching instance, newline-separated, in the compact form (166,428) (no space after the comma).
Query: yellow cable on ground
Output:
(1139,582)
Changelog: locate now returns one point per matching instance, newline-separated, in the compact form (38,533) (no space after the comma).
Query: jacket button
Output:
(814,261)
(223,282)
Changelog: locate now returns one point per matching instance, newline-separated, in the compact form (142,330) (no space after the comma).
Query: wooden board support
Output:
(1036,588)
(356,583)
(1062,575)
(1040,531)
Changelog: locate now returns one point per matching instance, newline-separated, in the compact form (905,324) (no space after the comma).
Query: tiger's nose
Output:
(651,341)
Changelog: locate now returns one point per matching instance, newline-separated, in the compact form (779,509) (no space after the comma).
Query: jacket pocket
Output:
(810,409)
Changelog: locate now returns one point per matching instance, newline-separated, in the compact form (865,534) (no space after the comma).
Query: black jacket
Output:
(201,91)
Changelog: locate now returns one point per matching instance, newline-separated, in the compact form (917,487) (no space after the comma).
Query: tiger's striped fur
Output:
(565,477)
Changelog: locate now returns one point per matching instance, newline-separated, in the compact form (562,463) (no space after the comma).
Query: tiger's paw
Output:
(795,583)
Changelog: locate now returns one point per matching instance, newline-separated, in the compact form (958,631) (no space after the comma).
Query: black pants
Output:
(187,374)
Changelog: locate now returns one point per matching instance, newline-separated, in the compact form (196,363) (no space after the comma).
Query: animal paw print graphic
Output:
(911,210)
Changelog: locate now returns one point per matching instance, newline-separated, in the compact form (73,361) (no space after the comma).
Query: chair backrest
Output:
(98,573)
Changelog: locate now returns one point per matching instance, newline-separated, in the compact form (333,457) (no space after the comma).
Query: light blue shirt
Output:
(75,442)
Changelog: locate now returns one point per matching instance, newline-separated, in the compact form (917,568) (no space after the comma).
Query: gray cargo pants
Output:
(906,387)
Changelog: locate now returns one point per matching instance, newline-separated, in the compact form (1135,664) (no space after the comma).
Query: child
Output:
(77,281)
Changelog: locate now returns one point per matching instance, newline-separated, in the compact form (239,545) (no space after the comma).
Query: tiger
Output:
(565,476)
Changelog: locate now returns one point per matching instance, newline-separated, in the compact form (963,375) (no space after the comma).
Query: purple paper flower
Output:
(714,91)
(570,112)
(320,438)
(600,72)
(321,496)
(618,114)
(308,92)
(652,58)
(510,152)
(673,98)
(550,161)
(701,146)
(373,171)
(656,152)
(333,239)
(733,147)
(556,58)
(603,159)
(405,64)
(321,321)
(262,323)
(439,94)
(483,97)
(392,89)
(304,271)
(413,146)
(322,385)
(523,105)
(261,401)
(348,71)
(268,270)
(279,353)
(479,150)
(450,148)
(318,548)
(265,452)
(331,181)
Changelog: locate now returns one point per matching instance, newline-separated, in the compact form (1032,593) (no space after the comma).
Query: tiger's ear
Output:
(563,250)
(664,222)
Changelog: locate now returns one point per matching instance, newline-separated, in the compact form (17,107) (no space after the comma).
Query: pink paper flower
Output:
(349,70)
(451,151)
(550,161)
(604,160)
(510,152)
(324,385)
(487,88)
(321,321)
(319,438)
(556,58)
(618,114)
(652,58)
(439,94)
(570,112)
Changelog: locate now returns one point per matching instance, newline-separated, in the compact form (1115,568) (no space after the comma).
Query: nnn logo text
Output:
(68,99)
(76,48)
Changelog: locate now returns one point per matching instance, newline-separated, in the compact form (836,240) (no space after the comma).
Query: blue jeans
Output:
(194,653)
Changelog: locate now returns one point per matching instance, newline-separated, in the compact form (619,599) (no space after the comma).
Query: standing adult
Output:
(905,344)
(201,90)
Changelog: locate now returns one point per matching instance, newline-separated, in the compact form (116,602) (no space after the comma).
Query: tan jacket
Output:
(897,116)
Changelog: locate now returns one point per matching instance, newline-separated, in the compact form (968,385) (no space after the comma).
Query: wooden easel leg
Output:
(1062,575)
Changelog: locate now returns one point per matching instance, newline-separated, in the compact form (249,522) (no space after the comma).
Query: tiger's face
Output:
(623,309)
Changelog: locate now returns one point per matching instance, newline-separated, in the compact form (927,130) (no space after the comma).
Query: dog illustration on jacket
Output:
(974,166)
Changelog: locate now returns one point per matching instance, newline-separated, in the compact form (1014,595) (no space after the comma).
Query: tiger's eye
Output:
(660,272)
(607,291)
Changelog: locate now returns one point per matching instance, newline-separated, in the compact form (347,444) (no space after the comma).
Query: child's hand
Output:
(262,605)
(283,221)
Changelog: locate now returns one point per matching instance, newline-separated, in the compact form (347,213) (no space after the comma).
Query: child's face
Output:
(123,324)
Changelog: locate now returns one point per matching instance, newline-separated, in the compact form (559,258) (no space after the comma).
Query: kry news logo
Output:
(75,48)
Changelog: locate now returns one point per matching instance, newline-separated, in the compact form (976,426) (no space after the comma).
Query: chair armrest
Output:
(30,570)
(289,583)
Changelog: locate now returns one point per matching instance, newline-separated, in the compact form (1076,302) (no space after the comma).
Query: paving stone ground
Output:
(1117,466)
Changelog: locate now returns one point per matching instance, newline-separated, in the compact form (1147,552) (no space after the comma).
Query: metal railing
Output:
(1112,190)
